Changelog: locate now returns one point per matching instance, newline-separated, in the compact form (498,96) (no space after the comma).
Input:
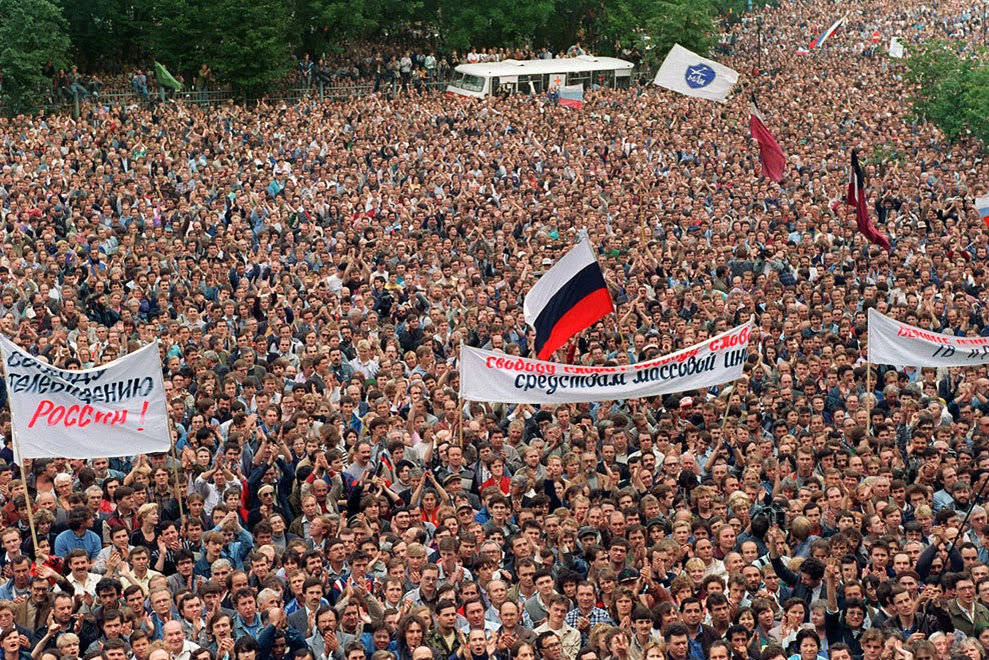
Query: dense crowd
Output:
(311,271)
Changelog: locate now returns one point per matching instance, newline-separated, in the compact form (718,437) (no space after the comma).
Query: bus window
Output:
(537,84)
(580,78)
(623,82)
(472,83)
(604,78)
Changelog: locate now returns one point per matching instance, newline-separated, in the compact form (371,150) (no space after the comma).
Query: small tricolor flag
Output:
(570,297)
(982,206)
(572,96)
(857,197)
(817,43)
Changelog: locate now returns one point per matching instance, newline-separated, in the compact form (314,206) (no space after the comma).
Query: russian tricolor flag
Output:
(982,206)
(817,43)
(572,96)
(570,297)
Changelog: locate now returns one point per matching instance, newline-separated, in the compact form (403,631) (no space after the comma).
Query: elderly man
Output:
(178,646)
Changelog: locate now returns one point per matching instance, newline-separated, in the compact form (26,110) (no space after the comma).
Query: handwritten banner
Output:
(899,344)
(502,378)
(117,409)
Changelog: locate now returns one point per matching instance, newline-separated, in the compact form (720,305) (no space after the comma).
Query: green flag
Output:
(165,79)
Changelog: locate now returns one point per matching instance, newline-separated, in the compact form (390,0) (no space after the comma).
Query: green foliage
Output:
(107,34)
(951,89)
(490,23)
(181,33)
(685,22)
(327,25)
(248,45)
(33,43)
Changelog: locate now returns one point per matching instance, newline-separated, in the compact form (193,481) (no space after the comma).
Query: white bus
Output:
(510,76)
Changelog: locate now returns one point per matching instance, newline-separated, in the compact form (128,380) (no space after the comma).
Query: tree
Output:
(950,86)
(684,22)
(491,23)
(33,44)
(183,32)
(247,42)
(327,25)
(107,34)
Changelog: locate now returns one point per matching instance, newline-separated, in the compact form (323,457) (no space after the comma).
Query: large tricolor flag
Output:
(857,198)
(770,153)
(817,43)
(982,206)
(572,96)
(569,297)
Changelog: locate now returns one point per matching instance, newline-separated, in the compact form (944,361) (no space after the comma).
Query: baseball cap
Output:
(628,574)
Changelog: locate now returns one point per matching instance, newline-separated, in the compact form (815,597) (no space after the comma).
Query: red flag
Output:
(773,160)
(857,198)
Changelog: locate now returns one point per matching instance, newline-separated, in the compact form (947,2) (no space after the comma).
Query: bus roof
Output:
(538,67)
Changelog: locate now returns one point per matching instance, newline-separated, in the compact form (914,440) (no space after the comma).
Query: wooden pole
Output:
(621,335)
(27,492)
(868,399)
(175,472)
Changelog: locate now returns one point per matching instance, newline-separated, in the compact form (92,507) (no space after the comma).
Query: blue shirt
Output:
(67,541)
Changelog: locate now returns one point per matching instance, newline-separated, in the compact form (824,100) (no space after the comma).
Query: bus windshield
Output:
(468,83)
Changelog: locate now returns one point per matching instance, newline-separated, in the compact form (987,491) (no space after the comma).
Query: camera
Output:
(775,512)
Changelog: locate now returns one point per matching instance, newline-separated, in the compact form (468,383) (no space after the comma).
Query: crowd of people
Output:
(311,271)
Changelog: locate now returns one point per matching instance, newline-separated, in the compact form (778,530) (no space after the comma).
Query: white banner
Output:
(501,378)
(114,410)
(902,345)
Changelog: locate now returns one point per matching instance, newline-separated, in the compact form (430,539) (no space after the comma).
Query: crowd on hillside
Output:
(311,271)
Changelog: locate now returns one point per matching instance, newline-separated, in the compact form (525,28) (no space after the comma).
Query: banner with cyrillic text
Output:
(900,344)
(117,409)
(502,378)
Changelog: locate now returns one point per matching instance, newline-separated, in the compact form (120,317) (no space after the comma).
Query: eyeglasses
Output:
(552,645)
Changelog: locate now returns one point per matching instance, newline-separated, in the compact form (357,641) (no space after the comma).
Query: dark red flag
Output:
(857,198)
(772,157)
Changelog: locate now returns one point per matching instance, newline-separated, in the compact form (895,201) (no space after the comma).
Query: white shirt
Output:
(187,649)
(87,587)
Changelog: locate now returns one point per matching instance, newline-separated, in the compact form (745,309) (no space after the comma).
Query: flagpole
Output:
(868,399)
(460,396)
(642,216)
(175,471)
(27,492)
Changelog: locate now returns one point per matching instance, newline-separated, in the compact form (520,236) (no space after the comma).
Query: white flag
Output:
(693,75)
(895,48)
(117,409)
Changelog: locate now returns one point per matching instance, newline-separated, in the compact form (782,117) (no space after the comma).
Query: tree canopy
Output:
(33,42)
(951,83)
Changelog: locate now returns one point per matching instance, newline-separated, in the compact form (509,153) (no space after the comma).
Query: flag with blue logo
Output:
(693,75)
